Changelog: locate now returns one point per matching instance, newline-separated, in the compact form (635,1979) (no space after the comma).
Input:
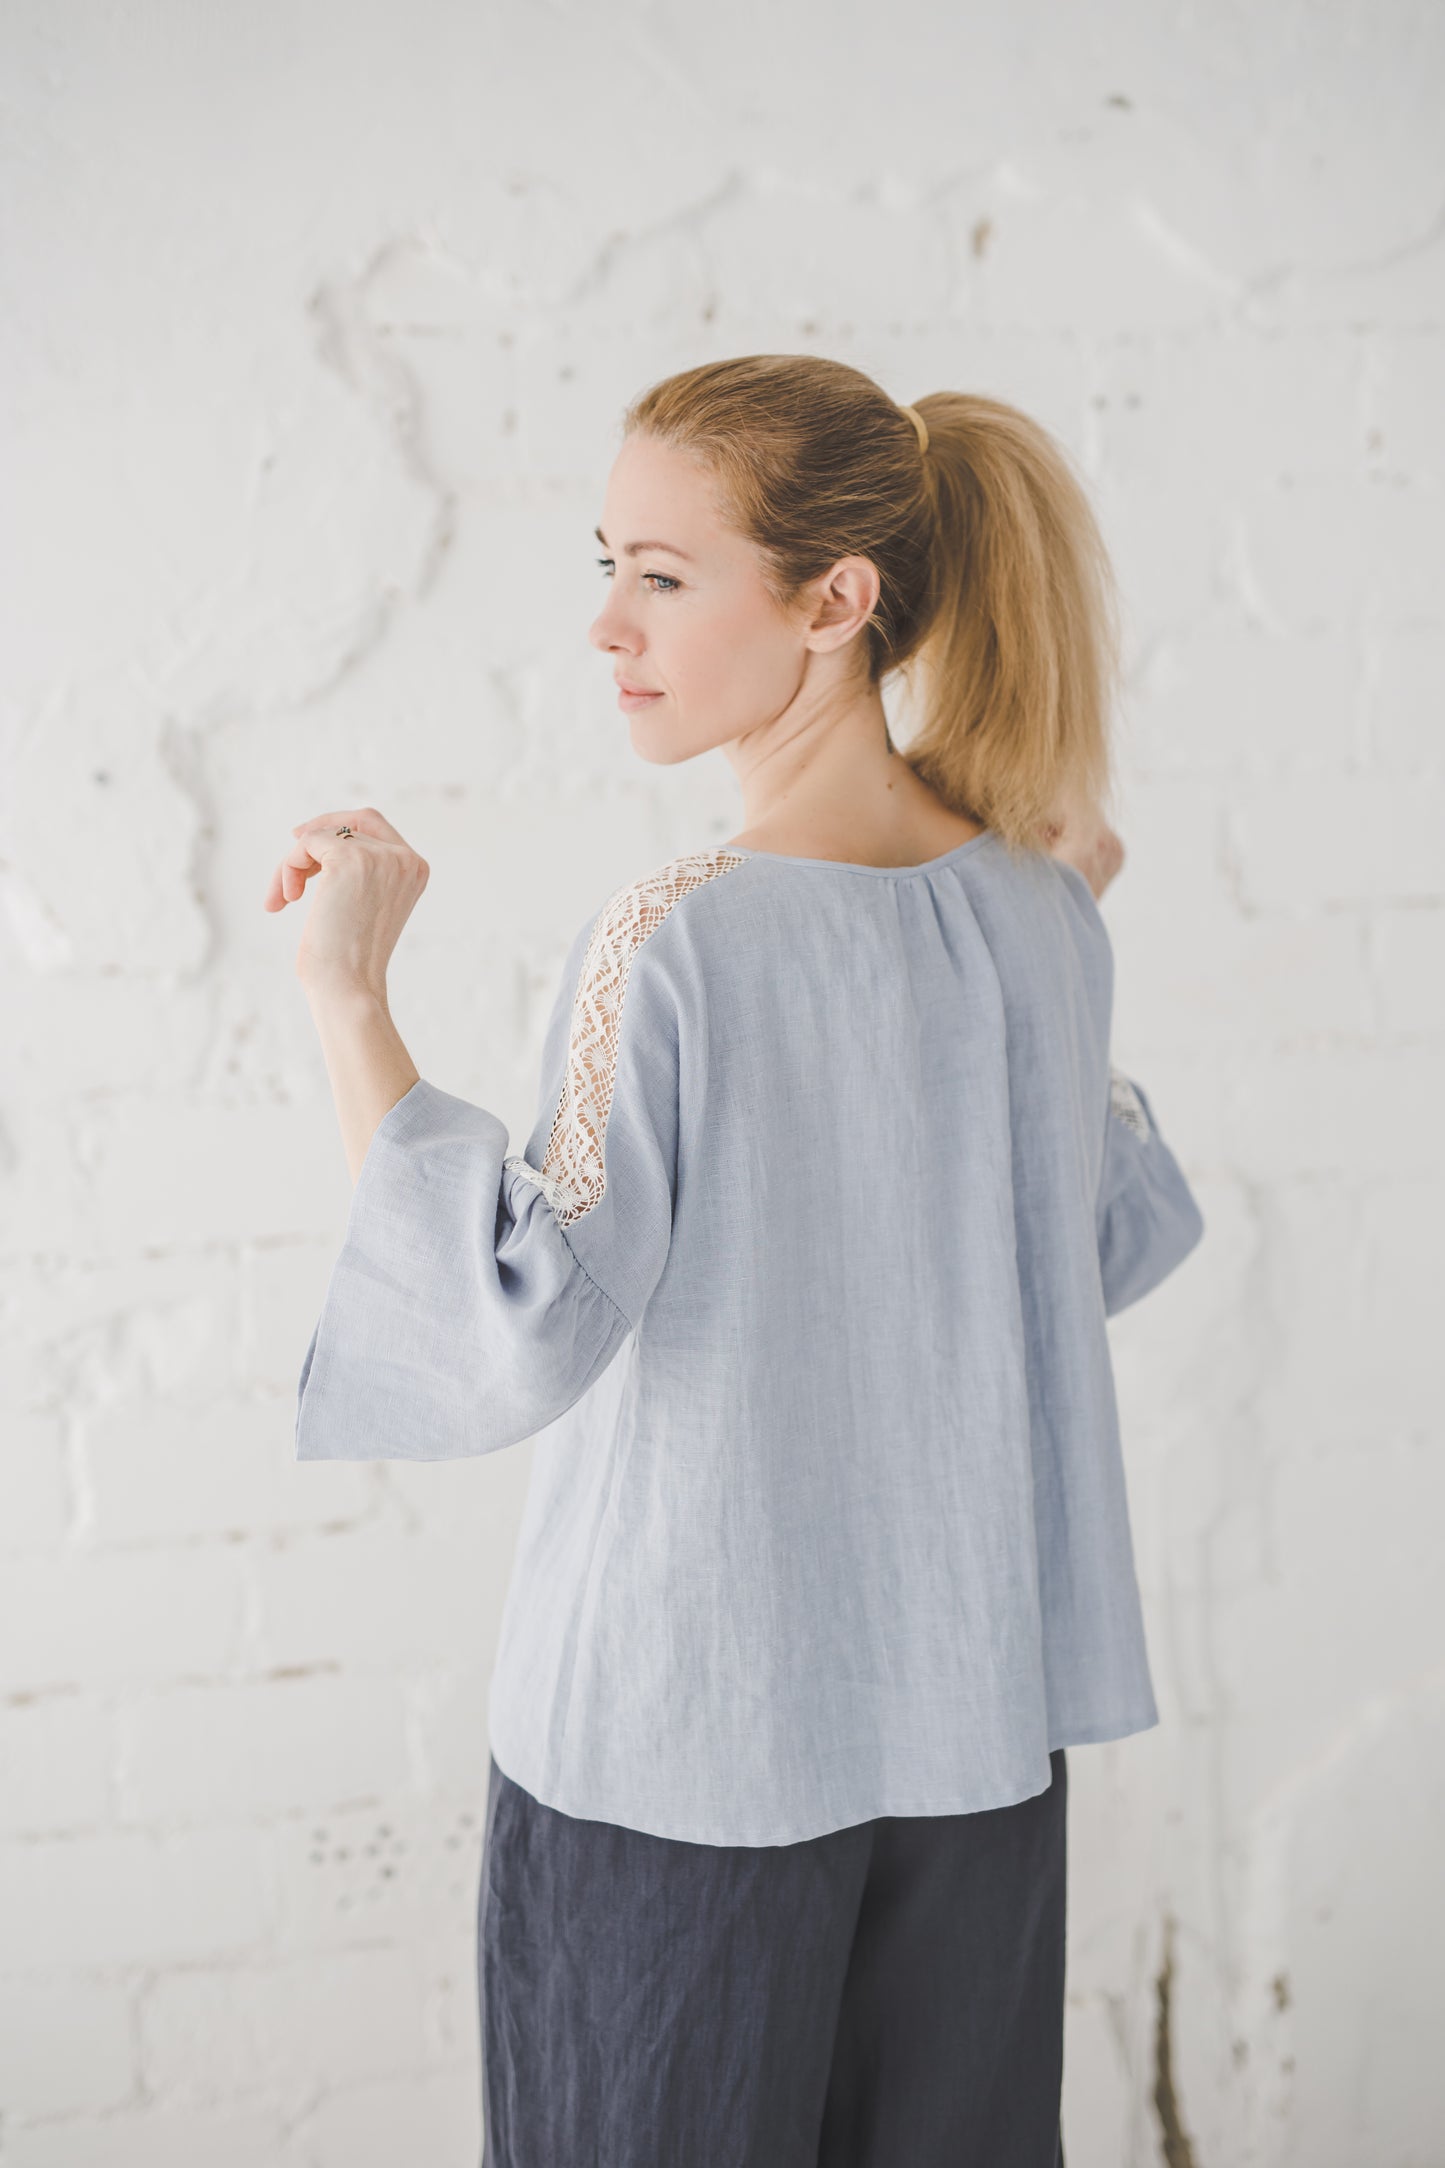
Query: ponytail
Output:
(1015,671)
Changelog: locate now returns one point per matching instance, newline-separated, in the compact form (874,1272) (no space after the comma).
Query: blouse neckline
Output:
(848,865)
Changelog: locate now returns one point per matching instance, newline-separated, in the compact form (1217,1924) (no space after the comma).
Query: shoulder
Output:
(633,914)
(1081,896)
(641,906)
(1092,944)
(646,945)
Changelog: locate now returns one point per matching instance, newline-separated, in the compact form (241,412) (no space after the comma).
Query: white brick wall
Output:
(316,331)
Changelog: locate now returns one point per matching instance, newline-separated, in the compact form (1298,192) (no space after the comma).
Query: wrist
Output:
(345,997)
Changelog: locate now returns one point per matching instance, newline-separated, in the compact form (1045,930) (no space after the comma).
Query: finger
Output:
(364,819)
(288,882)
(301,860)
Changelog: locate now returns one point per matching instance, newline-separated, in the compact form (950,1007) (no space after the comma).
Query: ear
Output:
(839,603)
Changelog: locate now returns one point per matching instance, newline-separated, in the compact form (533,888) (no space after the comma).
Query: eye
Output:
(668,583)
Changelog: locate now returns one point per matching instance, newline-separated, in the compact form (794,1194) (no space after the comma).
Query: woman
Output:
(800,1284)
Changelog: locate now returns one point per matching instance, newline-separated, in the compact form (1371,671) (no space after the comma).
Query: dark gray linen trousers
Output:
(890,1995)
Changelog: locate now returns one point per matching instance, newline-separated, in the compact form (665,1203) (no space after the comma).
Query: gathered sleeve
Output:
(1148,1217)
(479,1291)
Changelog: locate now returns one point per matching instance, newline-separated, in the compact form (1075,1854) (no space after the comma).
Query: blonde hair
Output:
(996,604)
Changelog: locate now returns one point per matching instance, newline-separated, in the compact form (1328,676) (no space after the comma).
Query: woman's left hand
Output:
(369,883)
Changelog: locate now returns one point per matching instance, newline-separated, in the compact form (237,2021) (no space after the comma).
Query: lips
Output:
(637,691)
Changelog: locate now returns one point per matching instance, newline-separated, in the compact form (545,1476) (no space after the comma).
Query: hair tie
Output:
(919,424)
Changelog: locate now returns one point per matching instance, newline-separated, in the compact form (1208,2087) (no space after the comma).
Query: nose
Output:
(609,630)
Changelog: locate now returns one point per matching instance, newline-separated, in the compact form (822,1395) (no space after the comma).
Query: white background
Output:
(317,325)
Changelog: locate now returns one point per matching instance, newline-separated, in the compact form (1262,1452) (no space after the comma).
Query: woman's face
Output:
(687,617)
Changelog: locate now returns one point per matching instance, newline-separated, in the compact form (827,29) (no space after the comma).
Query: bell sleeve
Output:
(479,1291)
(1148,1217)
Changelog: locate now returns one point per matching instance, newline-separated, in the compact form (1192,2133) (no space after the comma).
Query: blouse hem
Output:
(1068,1735)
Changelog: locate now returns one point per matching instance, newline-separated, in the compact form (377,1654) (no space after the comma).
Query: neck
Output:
(824,779)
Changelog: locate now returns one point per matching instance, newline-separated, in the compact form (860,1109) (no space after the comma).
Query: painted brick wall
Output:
(316,330)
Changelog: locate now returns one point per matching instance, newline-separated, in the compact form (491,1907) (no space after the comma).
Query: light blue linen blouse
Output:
(800,1287)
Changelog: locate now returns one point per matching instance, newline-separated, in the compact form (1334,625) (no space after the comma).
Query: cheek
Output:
(727,670)
(734,652)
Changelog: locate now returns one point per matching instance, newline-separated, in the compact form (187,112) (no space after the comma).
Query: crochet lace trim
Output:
(1126,1103)
(573,1172)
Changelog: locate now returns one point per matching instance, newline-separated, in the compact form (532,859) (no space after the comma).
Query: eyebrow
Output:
(632,549)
